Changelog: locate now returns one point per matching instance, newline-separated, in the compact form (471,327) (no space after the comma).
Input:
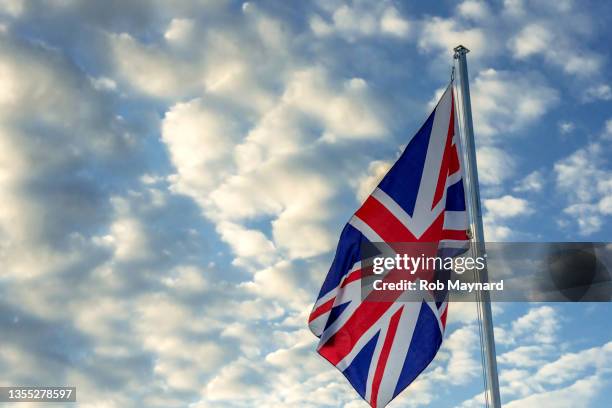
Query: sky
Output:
(174,177)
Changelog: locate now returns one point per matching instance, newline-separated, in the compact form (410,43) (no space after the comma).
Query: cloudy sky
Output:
(174,177)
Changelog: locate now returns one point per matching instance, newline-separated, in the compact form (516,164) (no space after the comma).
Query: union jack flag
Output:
(382,346)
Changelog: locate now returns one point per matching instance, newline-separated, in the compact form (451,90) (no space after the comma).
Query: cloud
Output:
(83,238)
(506,102)
(356,21)
(12,7)
(179,30)
(200,138)
(566,127)
(539,370)
(368,182)
(129,238)
(248,244)
(237,381)
(579,393)
(244,175)
(539,324)
(607,134)
(442,35)
(149,69)
(524,356)
(346,110)
(58,137)
(392,23)
(497,213)
(476,10)
(560,380)
(175,176)
(494,165)
(526,28)
(197,56)
(462,345)
(534,182)
(533,39)
(598,92)
(583,178)
(507,207)
(293,194)
(536,34)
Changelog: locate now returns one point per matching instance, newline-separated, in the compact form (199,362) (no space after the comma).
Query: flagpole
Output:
(491,378)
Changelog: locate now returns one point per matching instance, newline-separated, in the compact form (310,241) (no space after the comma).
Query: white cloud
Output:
(92,236)
(598,92)
(149,69)
(368,182)
(179,30)
(578,171)
(539,372)
(534,181)
(505,102)
(566,127)
(12,7)
(498,211)
(526,28)
(442,35)
(474,9)
(462,344)
(533,39)
(572,365)
(186,279)
(462,312)
(583,178)
(104,84)
(281,282)
(352,22)
(539,325)
(265,176)
(237,381)
(179,359)
(587,216)
(567,380)
(129,239)
(494,165)
(557,22)
(57,135)
(497,233)
(392,23)
(200,139)
(607,134)
(356,21)
(580,393)
(507,207)
(294,196)
(525,356)
(346,110)
(248,244)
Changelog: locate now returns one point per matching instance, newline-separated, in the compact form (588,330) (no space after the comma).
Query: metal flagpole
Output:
(492,381)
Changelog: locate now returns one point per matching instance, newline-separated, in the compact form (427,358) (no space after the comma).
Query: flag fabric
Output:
(382,346)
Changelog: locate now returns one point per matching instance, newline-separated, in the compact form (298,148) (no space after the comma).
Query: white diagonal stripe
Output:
(423,214)
(398,353)
(455,220)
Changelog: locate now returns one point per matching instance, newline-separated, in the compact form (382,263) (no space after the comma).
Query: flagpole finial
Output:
(460,50)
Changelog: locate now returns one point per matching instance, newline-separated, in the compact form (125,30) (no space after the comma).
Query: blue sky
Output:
(175,175)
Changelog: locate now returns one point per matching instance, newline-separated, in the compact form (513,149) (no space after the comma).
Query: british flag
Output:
(382,346)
